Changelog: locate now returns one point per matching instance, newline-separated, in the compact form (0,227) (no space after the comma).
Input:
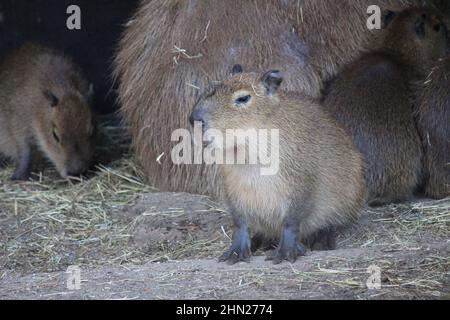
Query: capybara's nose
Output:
(77,168)
(197,116)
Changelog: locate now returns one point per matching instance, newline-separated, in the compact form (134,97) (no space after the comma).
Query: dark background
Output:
(92,47)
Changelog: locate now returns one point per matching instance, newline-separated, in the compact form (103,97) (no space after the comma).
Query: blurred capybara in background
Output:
(171,50)
(433,121)
(320,182)
(372,99)
(44,105)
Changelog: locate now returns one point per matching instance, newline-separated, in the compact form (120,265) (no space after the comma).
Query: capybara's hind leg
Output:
(322,240)
(259,241)
(24,165)
(3,162)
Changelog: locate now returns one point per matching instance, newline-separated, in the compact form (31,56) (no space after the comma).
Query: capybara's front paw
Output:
(238,252)
(286,253)
(20,176)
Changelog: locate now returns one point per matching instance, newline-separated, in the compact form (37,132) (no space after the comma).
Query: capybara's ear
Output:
(272,81)
(237,69)
(389,17)
(54,101)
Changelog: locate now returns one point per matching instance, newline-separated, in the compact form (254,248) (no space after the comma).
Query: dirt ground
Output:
(317,276)
(179,236)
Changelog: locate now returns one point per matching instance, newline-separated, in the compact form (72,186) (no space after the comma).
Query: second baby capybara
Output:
(44,105)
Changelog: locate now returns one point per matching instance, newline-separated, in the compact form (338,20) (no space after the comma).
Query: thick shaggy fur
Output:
(433,121)
(171,50)
(44,105)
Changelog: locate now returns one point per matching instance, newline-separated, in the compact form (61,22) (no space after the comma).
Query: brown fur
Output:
(308,39)
(43,93)
(372,99)
(433,119)
(320,183)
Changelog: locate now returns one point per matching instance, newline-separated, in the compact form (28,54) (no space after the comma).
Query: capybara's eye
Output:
(437,28)
(243,100)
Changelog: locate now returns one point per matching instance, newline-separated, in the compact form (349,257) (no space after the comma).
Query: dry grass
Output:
(417,217)
(52,223)
(402,226)
(48,223)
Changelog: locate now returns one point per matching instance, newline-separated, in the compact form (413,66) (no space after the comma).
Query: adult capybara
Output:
(372,99)
(44,105)
(171,50)
(319,182)
(433,121)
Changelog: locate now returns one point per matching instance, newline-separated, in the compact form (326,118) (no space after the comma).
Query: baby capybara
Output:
(44,105)
(319,184)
